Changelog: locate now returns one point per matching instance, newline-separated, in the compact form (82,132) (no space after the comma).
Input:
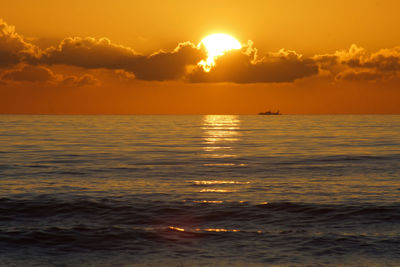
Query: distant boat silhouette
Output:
(269,112)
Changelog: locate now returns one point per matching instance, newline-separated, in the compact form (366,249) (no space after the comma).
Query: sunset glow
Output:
(299,57)
(211,133)
(217,45)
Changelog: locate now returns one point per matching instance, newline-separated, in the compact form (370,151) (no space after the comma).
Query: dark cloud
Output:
(167,65)
(29,73)
(244,66)
(91,53)
(237,66)
(13,48)
(32,73)
(353,75)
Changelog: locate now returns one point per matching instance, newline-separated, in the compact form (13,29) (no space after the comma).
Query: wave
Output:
(111,209)
(187,229)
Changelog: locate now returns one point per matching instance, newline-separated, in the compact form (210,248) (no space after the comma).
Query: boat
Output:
(269,112)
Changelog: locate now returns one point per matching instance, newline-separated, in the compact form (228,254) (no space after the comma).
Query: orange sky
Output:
(91,57)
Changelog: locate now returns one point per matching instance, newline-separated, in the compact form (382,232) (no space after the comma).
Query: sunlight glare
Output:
(216,45)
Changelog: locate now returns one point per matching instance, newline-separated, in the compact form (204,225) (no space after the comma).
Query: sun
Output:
(216,45)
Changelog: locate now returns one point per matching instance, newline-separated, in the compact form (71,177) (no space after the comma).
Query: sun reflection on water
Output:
(220,129)
(213,182)
(176,229)
(179,229)
(221,134)
(208,201)
(217,190)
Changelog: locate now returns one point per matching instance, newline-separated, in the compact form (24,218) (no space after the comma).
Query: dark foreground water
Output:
(199,190)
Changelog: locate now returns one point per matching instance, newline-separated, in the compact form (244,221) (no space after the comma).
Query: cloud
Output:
(384,60)
(123,75)
(168,65)
(89,53)
(245,66)
(41,74)
(357,63)
(242,66)
(92,53)
(237,66)
(83,80)
(29,73)
(354,75)
(13,48)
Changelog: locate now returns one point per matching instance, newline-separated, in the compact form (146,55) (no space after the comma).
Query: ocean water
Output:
(210,190)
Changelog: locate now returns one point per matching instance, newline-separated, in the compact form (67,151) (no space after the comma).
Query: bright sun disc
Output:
(216,45)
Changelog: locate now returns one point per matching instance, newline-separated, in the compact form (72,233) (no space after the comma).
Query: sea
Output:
(200,190)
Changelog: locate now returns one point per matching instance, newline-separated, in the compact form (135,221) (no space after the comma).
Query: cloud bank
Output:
(21,61)
(238,66)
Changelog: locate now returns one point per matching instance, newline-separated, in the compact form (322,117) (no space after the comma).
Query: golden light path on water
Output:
(221,133)
(220,139)
(218,182)
(204,230)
